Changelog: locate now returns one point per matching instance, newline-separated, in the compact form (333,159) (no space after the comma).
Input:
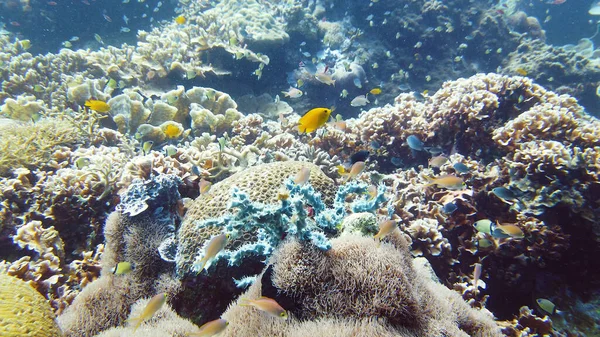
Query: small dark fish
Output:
(504,193)
(196,170)
(362,155)
(449,208)
(375,144)
(460,168)
(415,143)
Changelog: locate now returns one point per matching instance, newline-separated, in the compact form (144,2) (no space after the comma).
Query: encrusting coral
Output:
(23,311)
(359,281)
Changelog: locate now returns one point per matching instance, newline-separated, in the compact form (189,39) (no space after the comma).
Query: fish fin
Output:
(333,82)
(302,128)
(244,302)
(135,320)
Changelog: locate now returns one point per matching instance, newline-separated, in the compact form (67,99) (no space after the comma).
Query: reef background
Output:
(498,87)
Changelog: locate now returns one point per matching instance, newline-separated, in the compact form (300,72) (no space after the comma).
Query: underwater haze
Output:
(299,168)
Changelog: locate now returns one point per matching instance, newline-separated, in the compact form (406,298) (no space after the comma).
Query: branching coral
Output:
(36,143)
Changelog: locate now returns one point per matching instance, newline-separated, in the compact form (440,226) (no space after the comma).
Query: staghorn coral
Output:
(24,312)
(383,284)
(37,143)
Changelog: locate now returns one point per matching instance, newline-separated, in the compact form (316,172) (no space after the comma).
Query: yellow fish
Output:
(122,268)
(180,20)
(215,245)
(314,119)
(151,308)
(204,186)
(449,181)
(172,130)
(356,169)
(211,328)
(375,91)
(521,71)
(385,228)
(97,105)
(268,305)
(510,230)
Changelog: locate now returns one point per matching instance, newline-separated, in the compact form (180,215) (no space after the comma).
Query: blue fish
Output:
(449,208)
(460,168)
(415,143)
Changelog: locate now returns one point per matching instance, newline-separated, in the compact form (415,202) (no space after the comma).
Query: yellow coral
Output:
(23,311)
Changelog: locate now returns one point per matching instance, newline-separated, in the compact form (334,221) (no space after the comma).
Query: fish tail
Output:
(135,320)
(285,94)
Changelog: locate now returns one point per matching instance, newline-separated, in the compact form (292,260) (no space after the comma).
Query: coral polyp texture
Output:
(23,311)
(361,281)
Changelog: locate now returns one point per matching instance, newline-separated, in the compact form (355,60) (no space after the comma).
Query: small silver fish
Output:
(360,100)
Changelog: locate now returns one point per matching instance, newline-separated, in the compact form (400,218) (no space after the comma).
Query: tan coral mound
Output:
(165,322)
(23,311)
(262,183)
(355,282)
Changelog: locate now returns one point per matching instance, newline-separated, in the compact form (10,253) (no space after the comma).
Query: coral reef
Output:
(262,184)
(106,302)
(24,312)
(560,69)
(165,322)
(378,282)
(36,143)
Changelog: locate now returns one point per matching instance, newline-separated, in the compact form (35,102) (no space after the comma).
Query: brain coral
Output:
(23,311)
(262,183)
